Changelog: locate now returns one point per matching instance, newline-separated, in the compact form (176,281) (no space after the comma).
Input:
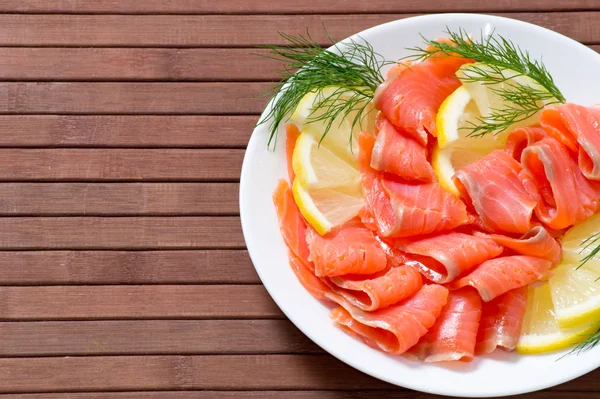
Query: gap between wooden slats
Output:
(292,7)
(185,232)
(133,302)
(158,165)
(240,372)
(126,267)
(119,199)
(138,64)
(145,337)
(216,30)
(398,393)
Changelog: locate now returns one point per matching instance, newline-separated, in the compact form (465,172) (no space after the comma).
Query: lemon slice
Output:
(341,138)
(575,295)
(325,208)
(487,96)
(579,241)
(540,331)
(317,166)
(455,148)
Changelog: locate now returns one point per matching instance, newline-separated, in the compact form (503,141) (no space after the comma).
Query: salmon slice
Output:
(411,97)
(292,134)
(349,249)
(401,209)
(291,223)
(293,229)
(566,196)
(520,138)
(501,194)
(454,334)
(578,128)
(395,152)
(397,328)
(501,320)
(441,258)
(536,242)
(380,290)
(496,276)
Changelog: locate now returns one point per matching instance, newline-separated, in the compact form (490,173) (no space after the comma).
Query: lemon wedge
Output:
(325,208)
(327,186)
(540,331)
(487,96)
(455,148)
(341,138)
(317,166)
(579,241)
(575,295)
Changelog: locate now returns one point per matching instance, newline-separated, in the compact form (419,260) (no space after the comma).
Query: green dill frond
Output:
(354,68)
(585,246)
(591,341)
(499,55)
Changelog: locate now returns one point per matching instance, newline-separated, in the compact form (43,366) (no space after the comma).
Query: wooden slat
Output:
(120,164)
(240,372)
(131,98)
(120,233)
(181,372)
(293,6)
(89,64)
(125,131)
(135,302)
(398,393)
(137,64)
(216,30)
(68,338)
(126,267)
(145,199)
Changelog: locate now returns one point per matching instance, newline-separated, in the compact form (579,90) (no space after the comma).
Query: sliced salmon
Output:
(380,290)
(348,249)
(578,128)
(293,229)
(397,328)
(411,97)
(402,209)
(566,196)
(496,276)
(520,138)
(291,223)
(443,257)
(501,194)
(501,321)
(454,334)
(397,153)
(292,134)
(536,242)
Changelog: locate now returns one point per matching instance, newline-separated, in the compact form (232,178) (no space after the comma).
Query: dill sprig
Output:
(586,244)
(521,101)
(591,341)
(354,68)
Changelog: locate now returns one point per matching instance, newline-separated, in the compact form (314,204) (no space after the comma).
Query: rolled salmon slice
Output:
(454,334)
(397,328)
(536,242)
(411,97)
(501,321)
(566,196)
(502,195)
(496,276)
(378,291)
(578,128)
(396,153)
(443,257)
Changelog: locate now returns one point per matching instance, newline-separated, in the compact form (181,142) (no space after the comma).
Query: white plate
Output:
(576,70)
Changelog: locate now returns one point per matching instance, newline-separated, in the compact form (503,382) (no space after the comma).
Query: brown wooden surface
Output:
(123,270)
